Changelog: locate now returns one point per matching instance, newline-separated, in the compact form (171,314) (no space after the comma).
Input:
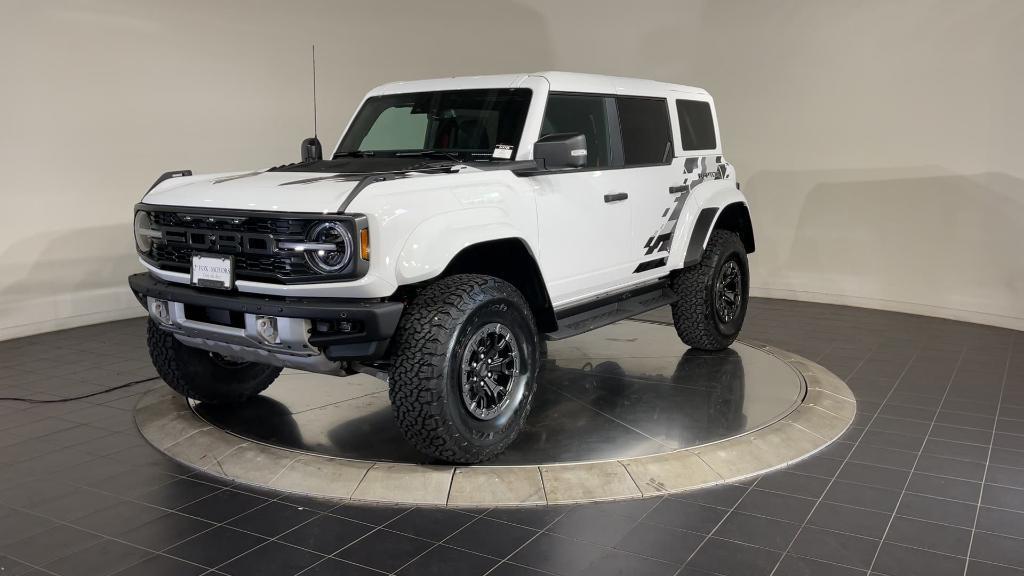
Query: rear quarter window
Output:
(696,125)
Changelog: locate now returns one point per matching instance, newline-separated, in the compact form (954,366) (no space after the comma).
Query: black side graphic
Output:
(662,241)
(651,264)
(697,171)
(237,177)
(332,178)
(372,179)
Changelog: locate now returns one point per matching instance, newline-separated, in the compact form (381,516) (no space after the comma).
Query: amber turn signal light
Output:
(364,243)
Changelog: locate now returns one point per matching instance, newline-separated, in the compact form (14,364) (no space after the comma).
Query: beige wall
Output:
(880,142)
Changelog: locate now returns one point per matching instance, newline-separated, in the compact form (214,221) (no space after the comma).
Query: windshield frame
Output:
(345,146)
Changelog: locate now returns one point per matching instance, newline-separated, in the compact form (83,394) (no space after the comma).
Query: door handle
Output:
(615,197)
(678,189)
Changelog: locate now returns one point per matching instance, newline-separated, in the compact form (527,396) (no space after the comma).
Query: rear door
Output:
(649,173)
(660,217)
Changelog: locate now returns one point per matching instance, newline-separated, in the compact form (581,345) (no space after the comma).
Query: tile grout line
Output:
(895,511)
(442,543)
(715,529)
(331,555)
(988,460)
(278,475)
(933,454)
(612,418)
(525,544)
(820,499)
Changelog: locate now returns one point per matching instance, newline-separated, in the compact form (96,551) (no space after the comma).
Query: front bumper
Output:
(304,342)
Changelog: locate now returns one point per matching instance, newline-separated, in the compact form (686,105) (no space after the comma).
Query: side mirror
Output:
(311,150)
(560,151)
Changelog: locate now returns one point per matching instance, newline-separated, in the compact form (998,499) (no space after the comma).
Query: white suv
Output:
(457,222)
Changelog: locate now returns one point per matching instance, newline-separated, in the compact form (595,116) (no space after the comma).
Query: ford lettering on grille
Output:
(225,241)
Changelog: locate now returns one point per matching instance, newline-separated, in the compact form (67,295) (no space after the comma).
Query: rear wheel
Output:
(464,368)
(205,376)
(712,295)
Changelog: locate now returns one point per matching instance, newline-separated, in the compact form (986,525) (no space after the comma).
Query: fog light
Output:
(266,327)
(338,326)
(162,311)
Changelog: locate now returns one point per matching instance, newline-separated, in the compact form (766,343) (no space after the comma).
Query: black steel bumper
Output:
(376,320)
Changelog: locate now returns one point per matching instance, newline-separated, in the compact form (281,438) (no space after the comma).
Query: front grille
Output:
(292,227)
(252,240)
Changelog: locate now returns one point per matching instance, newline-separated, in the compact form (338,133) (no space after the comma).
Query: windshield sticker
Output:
(502,152)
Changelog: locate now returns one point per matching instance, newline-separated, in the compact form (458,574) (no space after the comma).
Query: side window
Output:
(587,115)
(696,126)
(646,130)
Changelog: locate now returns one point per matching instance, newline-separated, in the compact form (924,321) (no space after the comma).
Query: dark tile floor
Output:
(929,481)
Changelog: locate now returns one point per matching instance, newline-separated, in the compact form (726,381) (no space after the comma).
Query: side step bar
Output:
(586,317)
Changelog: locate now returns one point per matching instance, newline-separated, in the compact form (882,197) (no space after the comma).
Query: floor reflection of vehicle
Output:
(264,420)
(701,401)
(589,405)
(723,385)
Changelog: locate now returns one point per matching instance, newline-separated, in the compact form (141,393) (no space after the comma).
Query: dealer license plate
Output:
(213,271)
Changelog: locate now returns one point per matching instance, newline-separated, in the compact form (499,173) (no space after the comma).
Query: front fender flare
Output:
(435,242)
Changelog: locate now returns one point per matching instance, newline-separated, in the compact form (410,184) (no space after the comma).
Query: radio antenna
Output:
(314,92)
(311,149)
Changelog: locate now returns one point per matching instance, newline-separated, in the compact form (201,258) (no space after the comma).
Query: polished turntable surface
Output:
(626,390)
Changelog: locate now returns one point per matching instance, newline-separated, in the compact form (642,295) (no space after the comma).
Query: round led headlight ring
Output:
(143,232)
(330,261)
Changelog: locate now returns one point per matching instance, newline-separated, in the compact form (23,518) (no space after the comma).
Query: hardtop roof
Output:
(558,81)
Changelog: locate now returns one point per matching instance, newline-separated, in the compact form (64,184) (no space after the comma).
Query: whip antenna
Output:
(314,92)
(311,149)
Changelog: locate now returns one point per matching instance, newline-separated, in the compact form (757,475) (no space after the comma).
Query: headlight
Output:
(326,260)
(144,233)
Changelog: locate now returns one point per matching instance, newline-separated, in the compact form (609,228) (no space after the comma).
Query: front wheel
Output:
(464,368)
(712,295)
(205,376)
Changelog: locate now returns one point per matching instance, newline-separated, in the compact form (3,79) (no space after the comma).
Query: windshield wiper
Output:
(354,154)
(453,156)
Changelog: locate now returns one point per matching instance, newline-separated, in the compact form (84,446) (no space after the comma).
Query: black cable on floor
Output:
(82,397)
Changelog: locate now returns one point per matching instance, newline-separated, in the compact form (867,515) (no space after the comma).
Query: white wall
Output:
(879,142)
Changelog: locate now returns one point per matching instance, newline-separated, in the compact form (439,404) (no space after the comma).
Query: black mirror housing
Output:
(311,150)
(560,151)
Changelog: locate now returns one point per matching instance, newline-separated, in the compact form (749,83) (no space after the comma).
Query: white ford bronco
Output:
(457,223)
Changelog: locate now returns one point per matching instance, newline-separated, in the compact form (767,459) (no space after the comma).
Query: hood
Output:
(319,187)
(267,191)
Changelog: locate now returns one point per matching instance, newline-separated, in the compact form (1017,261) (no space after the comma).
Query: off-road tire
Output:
(425,378)
(693,313)
(198,375)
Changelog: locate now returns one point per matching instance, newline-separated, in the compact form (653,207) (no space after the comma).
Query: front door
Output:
(584,215)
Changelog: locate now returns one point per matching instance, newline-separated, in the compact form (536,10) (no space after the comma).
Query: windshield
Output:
(458,124)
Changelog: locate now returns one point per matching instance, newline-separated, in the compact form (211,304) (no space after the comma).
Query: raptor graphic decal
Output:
(698,170)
